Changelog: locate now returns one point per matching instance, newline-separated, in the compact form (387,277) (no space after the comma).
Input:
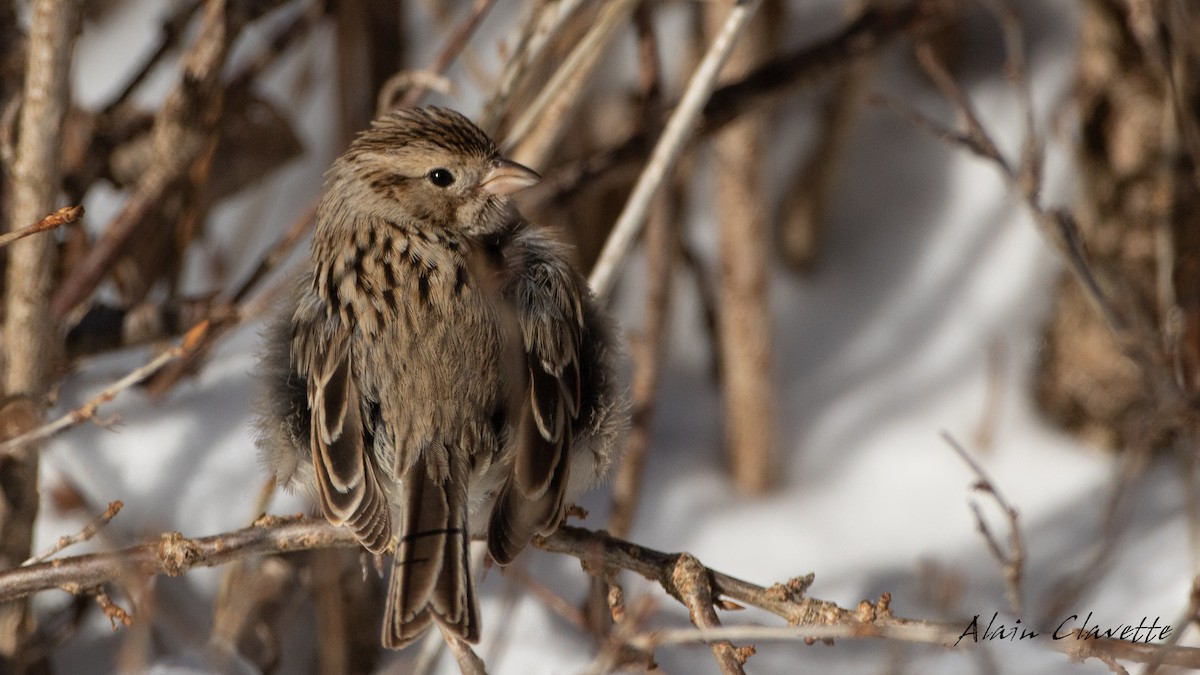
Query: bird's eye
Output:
(441,177)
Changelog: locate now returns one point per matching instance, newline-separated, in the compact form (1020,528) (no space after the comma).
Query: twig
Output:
(468,661)
(1012,563)
(106,327)
(278,252)
(801,221)
(691,578)
(542,121)
(175,555)
(171,29)
(661,257)
(1190,615)
(88,410)
(332,650)
(997,384)
(117,616)
(616,651)
(63,216)
(875,29)
(90,530)
(808,634)
(548,597)
(666,151)
(538,33)
(451,49)
(1059,225)
(181,136)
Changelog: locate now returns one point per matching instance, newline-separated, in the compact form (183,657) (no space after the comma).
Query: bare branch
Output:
(183,134)
(173,555)
(662,160)
(1012,563)
(695,588)
(63,216)
(90,530)
(30,335)
(534,134)
(88,410)
(810,618)
(538,32)
(453,46)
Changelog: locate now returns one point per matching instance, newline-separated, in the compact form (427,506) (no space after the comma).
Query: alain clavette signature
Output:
(1146,631)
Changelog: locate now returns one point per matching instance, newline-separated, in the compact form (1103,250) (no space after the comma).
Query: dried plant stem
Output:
(451,49)
(469,662)
(869,34)
(695,589)
(538,32)
(649,352)
(182,136)
(666,152)
(90,530)
(63,216)
(30,336)
(808,617)
(1012,563)
(172,555)
(662,254)
(744,322)
(537,131)
(332,650)
(88,410)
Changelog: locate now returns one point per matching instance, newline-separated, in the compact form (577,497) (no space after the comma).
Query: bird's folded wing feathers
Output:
(347,479)
(549,308)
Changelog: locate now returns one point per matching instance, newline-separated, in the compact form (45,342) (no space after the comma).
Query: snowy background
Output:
(930,268)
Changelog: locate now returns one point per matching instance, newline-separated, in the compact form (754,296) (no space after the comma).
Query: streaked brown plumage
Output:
(442,372)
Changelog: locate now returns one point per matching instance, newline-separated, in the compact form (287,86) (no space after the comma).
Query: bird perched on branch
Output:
(442,373)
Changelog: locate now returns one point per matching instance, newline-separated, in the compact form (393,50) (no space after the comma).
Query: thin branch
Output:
(662,160)
(538,33)
(89,409)
(542,121)
(90,530)
(874,30)
(175,555)
(450,50)
(662,255)
(182,135)
(695,588)
(468,661)
(547,596)
(1012,563)
(744,282)
(171,29)
(63,216)
(1190,615)
(277,253)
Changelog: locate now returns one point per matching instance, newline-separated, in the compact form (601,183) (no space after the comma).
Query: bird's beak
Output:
(506,177)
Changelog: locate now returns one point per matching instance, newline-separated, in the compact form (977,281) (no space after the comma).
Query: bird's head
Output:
(430,167)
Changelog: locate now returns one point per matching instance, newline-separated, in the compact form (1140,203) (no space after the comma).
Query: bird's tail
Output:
(431,578)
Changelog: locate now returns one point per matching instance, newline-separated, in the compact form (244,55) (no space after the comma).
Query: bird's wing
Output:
(548,297)
(346,477)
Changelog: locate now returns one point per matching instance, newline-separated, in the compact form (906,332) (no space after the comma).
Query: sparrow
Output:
(441,372)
